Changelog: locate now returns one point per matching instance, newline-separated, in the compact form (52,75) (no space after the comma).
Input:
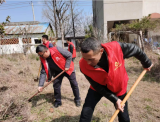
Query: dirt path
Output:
(17,84)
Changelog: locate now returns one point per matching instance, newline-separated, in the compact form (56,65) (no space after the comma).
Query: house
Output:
(108,13)
(20,37)
(155,35)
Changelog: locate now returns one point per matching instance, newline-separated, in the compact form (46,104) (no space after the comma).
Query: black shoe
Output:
(56,104)
(78,103)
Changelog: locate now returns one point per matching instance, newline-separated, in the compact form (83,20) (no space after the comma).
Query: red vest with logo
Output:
(46,44)
(116,79)
(59,60)
(74,49)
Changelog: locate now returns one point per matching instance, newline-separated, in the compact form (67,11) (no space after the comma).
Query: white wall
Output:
(118,10)
(59,43)
(122,10)
(151,6)
(12,48)
(115,10)
(18,48)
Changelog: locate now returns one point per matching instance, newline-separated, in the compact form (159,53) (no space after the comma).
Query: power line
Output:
(42,2)
(13,4)
(35,4)
(15,7)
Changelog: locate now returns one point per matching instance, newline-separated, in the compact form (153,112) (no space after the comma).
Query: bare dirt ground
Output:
(17,85)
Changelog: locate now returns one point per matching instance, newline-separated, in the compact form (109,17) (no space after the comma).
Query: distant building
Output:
(19,34)
(108,13)
(76,41)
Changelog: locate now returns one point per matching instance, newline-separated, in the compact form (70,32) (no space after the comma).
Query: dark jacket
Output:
(53,68)
(71,48)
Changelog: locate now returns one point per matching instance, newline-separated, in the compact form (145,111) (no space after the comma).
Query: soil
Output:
(17,85)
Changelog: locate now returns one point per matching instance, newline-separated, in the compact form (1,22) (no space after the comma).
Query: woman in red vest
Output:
(72,49)
(103,66)
(46,42)
(55,60)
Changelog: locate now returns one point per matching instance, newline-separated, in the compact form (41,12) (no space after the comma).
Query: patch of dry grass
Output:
(17,84)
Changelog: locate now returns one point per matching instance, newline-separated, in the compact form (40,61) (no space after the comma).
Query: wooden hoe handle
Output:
(128,94)
(47,84)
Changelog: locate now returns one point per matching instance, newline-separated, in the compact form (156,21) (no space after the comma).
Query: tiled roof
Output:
(20,29)
(155,15)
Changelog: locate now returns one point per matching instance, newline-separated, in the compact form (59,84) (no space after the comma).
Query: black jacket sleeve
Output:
(71,48)
(130,50)
(103,90)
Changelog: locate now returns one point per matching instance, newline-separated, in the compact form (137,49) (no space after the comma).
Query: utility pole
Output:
(72,19)
(33,10)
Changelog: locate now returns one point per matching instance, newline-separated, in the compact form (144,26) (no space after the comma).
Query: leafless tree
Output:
(56,12)
(63,17)
(1,1)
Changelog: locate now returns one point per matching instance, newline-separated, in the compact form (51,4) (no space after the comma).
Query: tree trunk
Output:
(62,34)
(141,39)
(72,19)
(55,19)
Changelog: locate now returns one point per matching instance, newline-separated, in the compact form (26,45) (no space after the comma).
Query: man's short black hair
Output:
(41,48)
(89,44)
(68,39)
(45,36)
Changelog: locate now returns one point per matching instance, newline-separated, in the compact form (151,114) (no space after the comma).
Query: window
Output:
(9,41)
(65,44)
(37,41)
(26,40)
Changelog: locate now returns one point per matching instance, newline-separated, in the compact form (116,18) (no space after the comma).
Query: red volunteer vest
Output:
(59,60)
(74,49)
(46,44)
(116,79)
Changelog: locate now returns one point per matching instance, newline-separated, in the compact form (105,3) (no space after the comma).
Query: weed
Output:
(34,57)
(47,119)
(5,117)
(19,117)
(37,58)
(148,108)
(147,99)
(12,59)
(105,104)
(150,77)
(41,110)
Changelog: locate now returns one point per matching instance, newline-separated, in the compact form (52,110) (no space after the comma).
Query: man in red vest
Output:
(55,60)
(71,48)
(103,66)
(46,42)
